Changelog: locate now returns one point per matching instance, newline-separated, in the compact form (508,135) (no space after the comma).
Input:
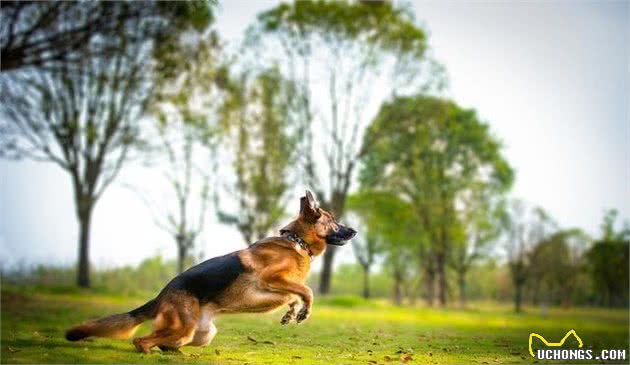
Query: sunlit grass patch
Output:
(340,331)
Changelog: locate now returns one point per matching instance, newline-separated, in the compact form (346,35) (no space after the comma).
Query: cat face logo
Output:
(553,344)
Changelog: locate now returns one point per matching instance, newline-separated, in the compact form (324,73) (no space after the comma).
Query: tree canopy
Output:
(433,154)
(335,52)
(49,34)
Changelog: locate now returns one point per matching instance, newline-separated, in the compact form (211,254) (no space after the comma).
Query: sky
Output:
(551,78)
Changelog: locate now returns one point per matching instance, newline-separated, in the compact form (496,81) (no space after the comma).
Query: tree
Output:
(64,33)
(187,132)
(390,224)
(365,250)
(575,280)
(189,184)
(525,228)
(608,261)
(397,265)
(335,52)
(85,116)
(367,245)
(555,265)
(84,120)
(476,227)
(431,152)
(609,232)
(257,119)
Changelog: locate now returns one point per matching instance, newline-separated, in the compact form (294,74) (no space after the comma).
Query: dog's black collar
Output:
(291,236)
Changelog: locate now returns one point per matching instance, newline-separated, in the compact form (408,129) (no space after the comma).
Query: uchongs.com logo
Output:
(552,350)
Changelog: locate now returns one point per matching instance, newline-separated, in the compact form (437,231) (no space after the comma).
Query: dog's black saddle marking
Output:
(210,278)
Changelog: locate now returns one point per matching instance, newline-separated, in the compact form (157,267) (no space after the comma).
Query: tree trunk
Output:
(337,207)
(181,257)
(413,292)
(326,274)
(566,298)
(518,296)
(462,288)
(430,284)
(397,289)
(366,282)
(440,268)
(535,292)
(84,213)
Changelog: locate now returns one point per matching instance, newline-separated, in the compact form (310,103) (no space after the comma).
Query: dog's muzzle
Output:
(341,237)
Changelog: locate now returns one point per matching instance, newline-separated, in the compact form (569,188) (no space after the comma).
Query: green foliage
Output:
(195,14)
(346,279)
(432,140)
(434,155)
(257,120)
(489,280)
(391,222)
(525,227)
(609,260)
(147,279)
(187,133)
(347,45)
(385,215)
(347,301)
(182,17)
(97,66)
(555,268)
(334,52)
(433,175)
(383,25)
(610,232)
(609,269)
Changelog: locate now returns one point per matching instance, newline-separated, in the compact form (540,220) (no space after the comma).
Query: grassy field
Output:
(340,331)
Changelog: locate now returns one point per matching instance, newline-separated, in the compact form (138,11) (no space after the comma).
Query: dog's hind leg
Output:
(169,339)
(206,330)
(204,336)
(174,327)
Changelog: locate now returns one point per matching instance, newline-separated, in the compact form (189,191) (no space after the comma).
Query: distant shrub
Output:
(348,278)
(487,280)
(347,301)
(147,279)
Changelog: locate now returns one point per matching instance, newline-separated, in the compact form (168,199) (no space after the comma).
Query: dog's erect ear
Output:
(308,208)
(311,200)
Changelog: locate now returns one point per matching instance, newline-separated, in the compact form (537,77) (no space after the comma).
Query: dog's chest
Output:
(249,294)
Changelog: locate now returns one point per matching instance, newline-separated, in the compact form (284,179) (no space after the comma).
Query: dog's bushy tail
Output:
(121,325)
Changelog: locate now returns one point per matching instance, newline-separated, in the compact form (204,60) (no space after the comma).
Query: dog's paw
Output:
(139,347)
(169,349)
(303,314)
(288,317)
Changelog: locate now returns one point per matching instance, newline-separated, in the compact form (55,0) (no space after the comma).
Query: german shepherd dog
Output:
(265,276)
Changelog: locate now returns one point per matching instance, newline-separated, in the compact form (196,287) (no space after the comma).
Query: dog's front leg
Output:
(291,313)
(304,312)
(279,283)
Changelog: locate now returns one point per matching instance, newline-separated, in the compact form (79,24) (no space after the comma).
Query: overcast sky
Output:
(551,78)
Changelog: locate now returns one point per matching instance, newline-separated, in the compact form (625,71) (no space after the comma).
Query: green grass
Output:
(340,331)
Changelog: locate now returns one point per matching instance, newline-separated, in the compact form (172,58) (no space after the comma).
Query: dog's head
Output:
(318,227)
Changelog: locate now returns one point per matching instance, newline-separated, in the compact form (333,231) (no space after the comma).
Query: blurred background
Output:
(479,148)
